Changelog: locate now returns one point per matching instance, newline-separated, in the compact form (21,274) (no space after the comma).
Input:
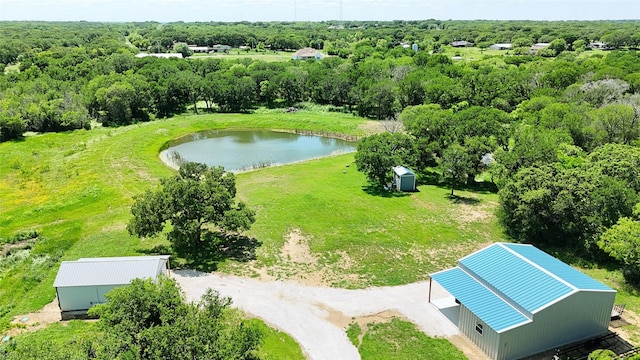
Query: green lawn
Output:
(76,189)
(377,237)
(268,56)
(400,340)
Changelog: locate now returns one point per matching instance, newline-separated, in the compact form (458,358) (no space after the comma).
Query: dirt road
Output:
(316,317)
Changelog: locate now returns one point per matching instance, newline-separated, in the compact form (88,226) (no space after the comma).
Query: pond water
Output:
(238,150)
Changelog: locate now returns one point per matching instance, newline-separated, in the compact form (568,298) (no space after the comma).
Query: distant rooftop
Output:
(164,56)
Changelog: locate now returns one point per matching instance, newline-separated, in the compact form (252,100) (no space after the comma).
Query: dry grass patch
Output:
(296,262)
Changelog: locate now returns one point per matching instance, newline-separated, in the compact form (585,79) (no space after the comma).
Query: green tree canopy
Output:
(194,201)
(183,49)
(571,203)
(152,320)
(622,242)
(455,164)
(377,154)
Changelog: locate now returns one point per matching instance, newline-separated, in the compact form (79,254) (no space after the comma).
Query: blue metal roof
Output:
(522,282)
(489,307)
(557,267)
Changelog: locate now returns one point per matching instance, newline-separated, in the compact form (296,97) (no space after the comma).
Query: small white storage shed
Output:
(514,300)
(83,283)
(404,179)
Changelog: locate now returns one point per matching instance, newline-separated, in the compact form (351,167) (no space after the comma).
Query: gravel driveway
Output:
(317,317)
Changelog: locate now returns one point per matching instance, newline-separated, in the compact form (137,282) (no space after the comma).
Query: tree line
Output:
(66,86)
(565,160)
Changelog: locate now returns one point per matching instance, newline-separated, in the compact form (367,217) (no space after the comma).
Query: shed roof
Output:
(487,305)
(401,170)
(108,271)
(524,277)
(502,45)
(461,43)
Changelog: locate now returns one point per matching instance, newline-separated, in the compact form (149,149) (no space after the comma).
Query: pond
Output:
(239,150)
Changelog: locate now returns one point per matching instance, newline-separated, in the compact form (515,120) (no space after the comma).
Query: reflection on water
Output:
(238,150)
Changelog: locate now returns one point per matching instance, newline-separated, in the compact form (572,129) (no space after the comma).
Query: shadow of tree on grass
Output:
(456,199)
(378,190)
(214,248)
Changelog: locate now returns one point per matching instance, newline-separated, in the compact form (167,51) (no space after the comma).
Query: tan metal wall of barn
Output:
(579,316)
(487,341)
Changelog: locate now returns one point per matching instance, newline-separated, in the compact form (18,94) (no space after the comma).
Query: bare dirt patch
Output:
(296,249)
(297,262)
(465,345)
(49,314)
(17,246)
(470,213)
(629,331)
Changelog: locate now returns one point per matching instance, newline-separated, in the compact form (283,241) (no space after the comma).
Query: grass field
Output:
(380,341)
(267,56)
(76,189)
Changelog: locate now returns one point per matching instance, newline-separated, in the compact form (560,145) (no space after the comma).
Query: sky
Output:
(316,10)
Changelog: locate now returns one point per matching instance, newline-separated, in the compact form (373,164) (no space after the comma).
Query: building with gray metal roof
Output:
(514,300)
(404,179)
(83,283)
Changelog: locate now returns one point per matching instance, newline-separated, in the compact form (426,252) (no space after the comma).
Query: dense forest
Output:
(71,73)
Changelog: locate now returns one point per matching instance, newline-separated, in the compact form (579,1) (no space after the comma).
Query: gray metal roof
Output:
(401,170)
(109,271)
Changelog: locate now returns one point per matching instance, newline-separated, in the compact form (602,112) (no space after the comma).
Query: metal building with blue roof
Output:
(515,300)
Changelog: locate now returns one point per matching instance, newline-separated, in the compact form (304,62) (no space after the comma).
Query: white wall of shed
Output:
(82,297)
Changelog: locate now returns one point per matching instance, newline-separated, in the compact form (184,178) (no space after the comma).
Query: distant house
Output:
(307,54)
(597,45)
(220,48)
(500,47)
(162,56)
(404,179)
(198,49)
(83,283)
(538,46)
(514,300)
(462,44)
